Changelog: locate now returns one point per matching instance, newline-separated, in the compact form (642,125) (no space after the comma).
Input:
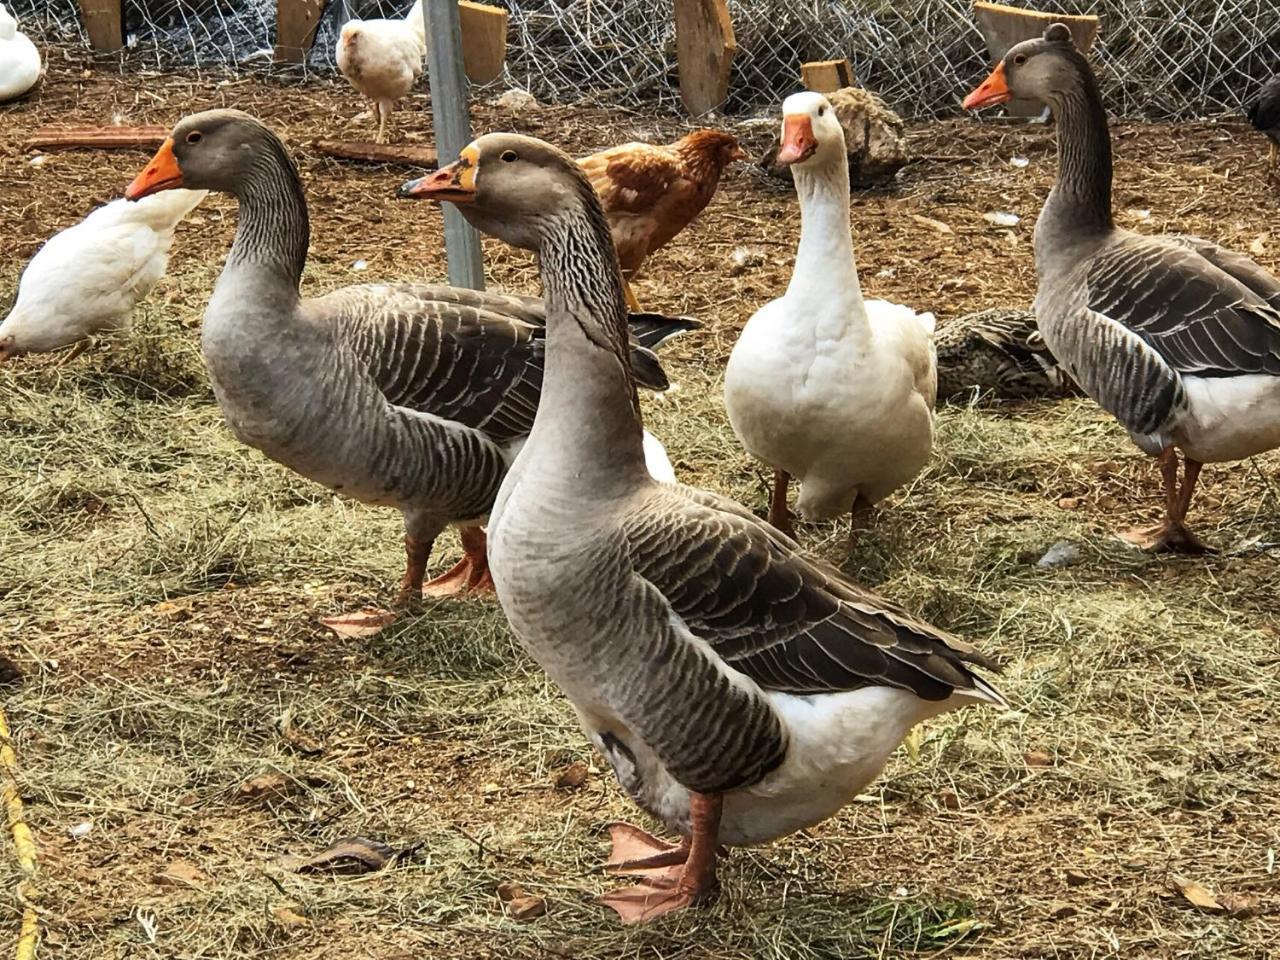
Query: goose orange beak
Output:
(798,141)
(994,89)
(162,173)
(455,183)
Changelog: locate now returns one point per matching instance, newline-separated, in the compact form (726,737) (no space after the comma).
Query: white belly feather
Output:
(1230,418)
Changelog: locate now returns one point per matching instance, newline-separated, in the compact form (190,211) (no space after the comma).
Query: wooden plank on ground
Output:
(826,76)
(296,23)
(484,40)
(705,47)
(104,22)
(1003,26)
(96,138)
(367,152)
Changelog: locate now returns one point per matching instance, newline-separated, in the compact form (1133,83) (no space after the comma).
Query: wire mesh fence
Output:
(1156,58)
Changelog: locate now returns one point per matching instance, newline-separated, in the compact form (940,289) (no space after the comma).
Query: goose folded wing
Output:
(1196,315)
(1245,269)
(449,354)
(790,624)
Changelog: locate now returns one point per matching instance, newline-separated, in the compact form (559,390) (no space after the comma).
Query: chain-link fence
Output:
(1156,58)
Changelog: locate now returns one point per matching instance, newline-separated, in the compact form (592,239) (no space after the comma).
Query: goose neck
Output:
(1081,198)
(824,258)
(272,232)
(589,394)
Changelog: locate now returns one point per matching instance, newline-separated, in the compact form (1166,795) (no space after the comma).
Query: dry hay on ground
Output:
(160,590)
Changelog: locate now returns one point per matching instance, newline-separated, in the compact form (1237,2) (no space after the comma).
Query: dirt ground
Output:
(183,721)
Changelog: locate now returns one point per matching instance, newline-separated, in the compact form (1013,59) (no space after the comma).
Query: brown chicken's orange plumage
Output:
(650,193)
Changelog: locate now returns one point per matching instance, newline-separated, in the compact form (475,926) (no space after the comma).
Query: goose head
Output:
(214,150)
(515,188)
(1045,69)
(811,132)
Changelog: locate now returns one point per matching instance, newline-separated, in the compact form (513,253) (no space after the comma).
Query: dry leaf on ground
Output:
(349,857)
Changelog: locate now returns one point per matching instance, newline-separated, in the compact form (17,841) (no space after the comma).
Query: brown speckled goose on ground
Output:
(997,354)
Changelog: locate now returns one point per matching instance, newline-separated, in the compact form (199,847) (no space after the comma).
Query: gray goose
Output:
(1176,337)
(414,396)
(739,690)
(1000,354)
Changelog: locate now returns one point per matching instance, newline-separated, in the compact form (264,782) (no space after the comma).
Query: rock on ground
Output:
(873,135)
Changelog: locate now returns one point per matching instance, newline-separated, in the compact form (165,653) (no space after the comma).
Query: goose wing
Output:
(1195,314)
(791,624)
(1245,269)
(470,356)
(460,355)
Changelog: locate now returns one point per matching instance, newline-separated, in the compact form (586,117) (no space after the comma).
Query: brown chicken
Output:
(651,193)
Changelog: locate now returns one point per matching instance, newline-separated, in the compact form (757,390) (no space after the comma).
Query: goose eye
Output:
(195,136)
(509,156)
(1019,59)
(822,111)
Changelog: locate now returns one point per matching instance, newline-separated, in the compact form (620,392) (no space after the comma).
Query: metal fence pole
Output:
(451,120)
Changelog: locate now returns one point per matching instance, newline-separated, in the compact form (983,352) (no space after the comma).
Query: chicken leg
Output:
(779,515)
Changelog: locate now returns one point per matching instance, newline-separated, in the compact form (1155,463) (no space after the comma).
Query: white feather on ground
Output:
(88,278)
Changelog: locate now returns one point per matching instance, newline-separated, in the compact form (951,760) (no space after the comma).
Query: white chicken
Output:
(19,59)
(89,277)
(383,59)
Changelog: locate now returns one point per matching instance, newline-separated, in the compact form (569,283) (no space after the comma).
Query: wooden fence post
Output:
(104,22)
(484,40)
(296,22)
(704,50)
(826,76)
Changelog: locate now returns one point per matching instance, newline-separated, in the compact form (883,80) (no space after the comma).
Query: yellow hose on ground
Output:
(24,844)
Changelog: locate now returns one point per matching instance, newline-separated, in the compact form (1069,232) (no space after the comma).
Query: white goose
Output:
(19,59)
(739,690)
(88,278)
(824,386)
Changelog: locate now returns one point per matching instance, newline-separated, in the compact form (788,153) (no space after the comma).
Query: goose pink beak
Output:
(798,141)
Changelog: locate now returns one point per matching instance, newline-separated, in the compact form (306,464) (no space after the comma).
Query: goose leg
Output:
(1172,535)
(779,515)
(674,877)
(416,552)
(469,575)
(371,620)
(632,303)
(859,519)
(77,348)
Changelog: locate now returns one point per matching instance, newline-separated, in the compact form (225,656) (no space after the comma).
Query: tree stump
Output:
(704,50)
(1003,26)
